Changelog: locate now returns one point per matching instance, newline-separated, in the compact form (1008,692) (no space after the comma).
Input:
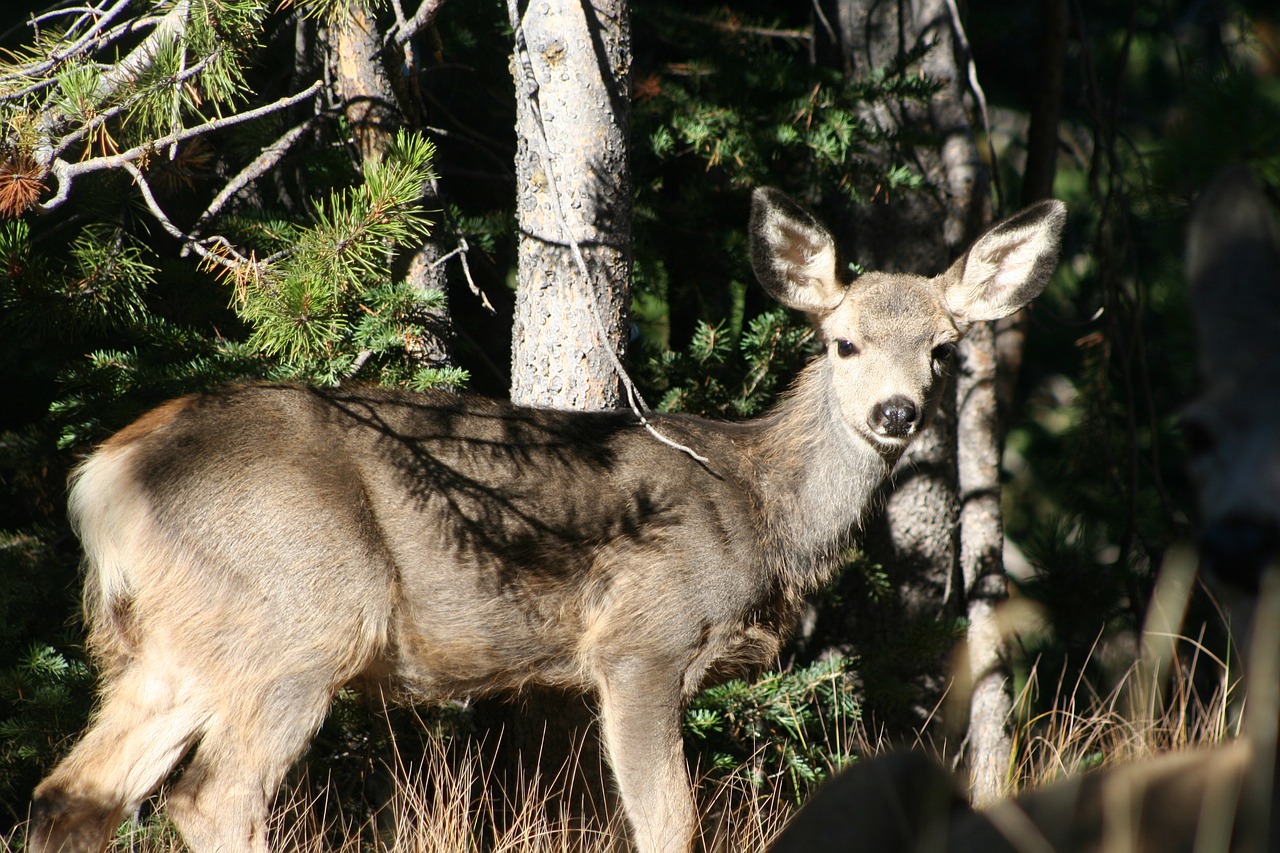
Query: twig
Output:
(805,35)
(261,164)
(461,251)
(100,20)
(526,74)
(145,188)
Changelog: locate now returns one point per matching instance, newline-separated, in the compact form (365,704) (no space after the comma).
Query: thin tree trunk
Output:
(983,666)
(992,360)
(1042,133)
(373,109)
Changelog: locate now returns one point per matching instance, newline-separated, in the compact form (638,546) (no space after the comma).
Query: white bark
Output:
(571,71)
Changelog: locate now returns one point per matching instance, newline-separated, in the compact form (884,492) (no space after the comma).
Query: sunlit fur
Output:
(252,550)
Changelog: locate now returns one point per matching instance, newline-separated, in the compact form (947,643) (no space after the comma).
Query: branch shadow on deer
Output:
(498,520)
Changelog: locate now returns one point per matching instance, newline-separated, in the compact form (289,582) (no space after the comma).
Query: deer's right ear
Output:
(793,255)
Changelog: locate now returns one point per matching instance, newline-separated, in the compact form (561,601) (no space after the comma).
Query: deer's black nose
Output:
(896,417)
(1236,548)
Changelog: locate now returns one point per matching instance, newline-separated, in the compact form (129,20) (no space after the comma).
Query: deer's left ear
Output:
(1007,267)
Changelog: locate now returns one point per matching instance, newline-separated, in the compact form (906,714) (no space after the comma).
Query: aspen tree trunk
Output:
(983,665)
(939,536)
(992,359)
(573,184)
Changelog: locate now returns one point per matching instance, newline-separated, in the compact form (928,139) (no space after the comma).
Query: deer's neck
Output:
(817,478)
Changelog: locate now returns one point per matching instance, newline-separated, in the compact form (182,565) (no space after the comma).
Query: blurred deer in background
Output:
(1208,800)
(249,552)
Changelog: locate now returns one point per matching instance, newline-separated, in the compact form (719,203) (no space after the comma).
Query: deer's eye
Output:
(943,353)
(846,348)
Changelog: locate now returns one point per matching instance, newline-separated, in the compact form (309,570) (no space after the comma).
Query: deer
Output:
(250,551)
(1210,799)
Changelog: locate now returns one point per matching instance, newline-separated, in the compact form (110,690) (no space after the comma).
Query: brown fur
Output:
(251,551)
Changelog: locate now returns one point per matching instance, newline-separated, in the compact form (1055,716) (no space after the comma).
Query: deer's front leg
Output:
(640,707)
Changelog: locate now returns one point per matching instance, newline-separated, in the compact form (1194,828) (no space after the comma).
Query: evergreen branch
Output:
(530,80)
(66,172)
(168,30)
(106,115)
(57,57)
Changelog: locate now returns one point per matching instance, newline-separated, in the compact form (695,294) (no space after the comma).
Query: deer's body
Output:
(470,544)
(251,551)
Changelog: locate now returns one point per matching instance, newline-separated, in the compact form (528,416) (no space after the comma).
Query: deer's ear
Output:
(793,255)
(1007,267)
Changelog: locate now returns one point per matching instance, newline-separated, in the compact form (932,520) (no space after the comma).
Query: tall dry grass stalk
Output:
(1179,694)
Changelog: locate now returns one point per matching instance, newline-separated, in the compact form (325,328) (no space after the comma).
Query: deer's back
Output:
(502,543)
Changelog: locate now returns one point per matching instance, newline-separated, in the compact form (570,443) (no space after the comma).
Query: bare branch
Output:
(145,188)
(261,164)
(101,20)
(421,20)
(66,172)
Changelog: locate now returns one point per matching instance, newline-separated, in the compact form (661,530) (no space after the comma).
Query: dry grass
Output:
(1179,694)
(444,803)
(447,800)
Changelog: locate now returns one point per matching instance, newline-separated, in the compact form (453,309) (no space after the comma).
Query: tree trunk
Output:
(991,360)
(573,186)
(374,110)
(982,668)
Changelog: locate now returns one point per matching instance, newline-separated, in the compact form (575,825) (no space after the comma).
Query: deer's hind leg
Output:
(148,718)
(223,799)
